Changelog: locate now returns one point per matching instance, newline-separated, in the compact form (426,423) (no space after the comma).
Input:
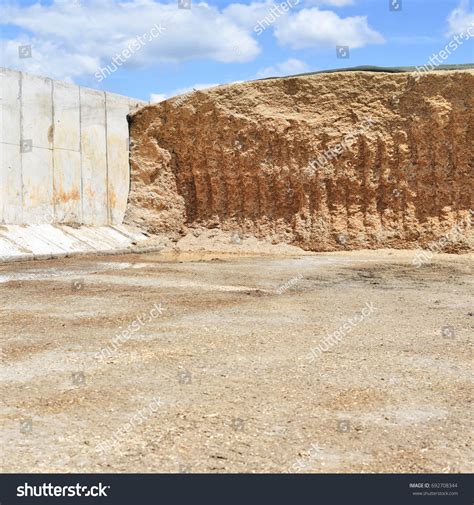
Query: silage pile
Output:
(327,161)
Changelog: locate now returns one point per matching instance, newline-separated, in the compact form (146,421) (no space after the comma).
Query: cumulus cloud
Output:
(317,28)
(248,15)
(48,58)
(460,19)
(289,67)
(308,27)
(75,37)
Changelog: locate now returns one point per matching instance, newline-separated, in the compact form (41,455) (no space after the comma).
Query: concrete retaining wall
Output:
(64,152)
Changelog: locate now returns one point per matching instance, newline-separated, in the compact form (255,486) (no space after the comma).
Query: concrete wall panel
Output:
(10,162)
(94,157)
(67,131)
(37,110)
(67,186)
(117,157)
(37,175)
(10,111)
(11,200)
(67,153)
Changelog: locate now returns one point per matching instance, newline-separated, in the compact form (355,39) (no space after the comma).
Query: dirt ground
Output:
(218,376)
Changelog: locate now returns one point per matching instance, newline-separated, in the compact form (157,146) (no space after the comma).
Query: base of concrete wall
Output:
(22,243)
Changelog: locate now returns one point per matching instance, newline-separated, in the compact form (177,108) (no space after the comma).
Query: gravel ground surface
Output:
(225,363)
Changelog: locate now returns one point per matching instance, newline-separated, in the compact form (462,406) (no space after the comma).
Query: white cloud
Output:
(289,67)
(309,27)
(159,97)
(460,18)
(73,38)
(48,58)
(316,28)
(248,15)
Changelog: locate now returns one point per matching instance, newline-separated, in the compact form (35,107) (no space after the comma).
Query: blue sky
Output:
(221,41)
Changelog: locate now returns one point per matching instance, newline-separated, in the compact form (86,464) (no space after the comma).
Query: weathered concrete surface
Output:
(94,152)
(11,199)
(67,153)
(19,242)
(118,176)
(64,152)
